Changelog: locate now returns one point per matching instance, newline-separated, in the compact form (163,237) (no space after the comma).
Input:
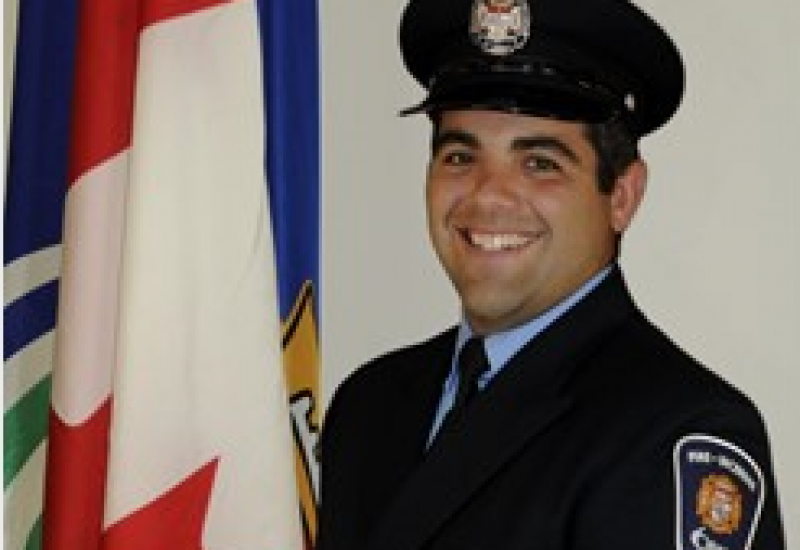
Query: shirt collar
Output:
(502,346)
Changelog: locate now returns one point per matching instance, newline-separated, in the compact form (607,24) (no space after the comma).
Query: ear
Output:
(627,195)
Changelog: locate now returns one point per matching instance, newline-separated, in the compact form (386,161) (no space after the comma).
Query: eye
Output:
(541,164)
(458,157)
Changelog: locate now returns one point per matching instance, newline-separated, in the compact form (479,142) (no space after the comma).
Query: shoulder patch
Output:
(719,493)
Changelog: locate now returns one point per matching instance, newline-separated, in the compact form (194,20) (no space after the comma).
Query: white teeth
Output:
(493,242)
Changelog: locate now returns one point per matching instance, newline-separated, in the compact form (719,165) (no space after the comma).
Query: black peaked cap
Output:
(585,60)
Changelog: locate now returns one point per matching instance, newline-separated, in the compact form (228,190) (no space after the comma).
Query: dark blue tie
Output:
(472,363)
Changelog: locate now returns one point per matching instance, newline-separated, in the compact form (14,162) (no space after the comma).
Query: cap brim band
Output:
(547,99)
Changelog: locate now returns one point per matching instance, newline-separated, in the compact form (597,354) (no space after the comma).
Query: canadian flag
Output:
(169,424)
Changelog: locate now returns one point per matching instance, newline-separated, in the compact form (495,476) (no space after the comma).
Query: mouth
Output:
(496,242)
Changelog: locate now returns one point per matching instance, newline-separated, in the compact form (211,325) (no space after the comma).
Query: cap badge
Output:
(500,27)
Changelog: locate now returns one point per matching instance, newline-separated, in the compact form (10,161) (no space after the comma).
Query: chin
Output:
(491,314)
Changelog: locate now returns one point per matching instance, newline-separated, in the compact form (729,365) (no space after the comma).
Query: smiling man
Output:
(554,416)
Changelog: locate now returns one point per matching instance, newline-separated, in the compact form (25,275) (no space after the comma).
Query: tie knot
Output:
(472,363)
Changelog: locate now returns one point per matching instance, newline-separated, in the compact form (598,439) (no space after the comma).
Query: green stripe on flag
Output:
(35,536)
(24,428)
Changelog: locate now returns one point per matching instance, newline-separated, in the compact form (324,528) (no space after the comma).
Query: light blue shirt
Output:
(502,346)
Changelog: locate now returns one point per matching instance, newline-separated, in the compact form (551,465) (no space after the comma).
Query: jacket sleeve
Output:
(703,481)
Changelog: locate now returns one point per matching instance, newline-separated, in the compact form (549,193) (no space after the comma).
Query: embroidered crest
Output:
(500,27)
(719,504)
(719,494)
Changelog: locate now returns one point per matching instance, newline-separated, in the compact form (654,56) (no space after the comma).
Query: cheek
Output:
(574,218)
(591,228)
(440,197)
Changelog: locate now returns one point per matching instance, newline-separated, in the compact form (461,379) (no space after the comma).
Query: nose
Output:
(494,183)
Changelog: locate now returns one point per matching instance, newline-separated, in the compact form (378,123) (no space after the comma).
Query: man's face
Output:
(515,214)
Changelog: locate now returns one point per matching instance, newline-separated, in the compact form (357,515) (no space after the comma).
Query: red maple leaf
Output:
(172,521)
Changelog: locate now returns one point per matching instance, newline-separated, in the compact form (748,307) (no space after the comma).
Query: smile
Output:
(496,242)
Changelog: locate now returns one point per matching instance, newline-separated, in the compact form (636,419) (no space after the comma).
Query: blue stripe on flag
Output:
(36,186)
(36,180)
(27,318)
(291,88)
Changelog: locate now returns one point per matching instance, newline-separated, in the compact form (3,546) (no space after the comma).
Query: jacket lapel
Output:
(529,395)
(412,403)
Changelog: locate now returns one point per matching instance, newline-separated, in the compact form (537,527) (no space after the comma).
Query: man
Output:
(554,416)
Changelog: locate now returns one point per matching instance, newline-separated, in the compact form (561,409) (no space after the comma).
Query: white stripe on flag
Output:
(22,499)
(27,368)
(30,272)
(199,372)
(87,308)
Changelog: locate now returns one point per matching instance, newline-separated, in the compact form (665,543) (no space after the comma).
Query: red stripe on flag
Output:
(104,71)
(102,107)
(174,520)
(76,477)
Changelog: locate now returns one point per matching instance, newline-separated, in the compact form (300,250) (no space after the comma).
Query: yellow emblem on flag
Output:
(301,361)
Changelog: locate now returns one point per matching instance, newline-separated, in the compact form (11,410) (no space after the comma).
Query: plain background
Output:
(713,256)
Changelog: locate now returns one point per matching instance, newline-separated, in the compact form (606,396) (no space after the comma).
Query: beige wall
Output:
(713,257)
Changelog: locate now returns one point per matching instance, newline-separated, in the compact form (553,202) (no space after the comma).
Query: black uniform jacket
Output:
(569,447)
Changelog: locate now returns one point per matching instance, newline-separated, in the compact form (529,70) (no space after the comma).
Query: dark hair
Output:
(616,149)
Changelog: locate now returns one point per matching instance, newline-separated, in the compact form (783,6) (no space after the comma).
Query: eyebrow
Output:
(448,137)
(545,142)
(467,139)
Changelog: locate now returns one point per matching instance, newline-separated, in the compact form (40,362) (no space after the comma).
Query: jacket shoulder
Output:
(383,374)
(647,384)
(655,361)
(400,363)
